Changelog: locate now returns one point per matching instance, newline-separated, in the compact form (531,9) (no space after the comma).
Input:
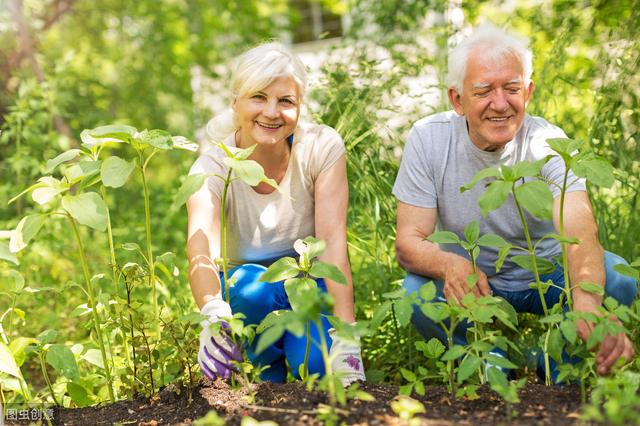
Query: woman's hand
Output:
(346,360)
(217,349)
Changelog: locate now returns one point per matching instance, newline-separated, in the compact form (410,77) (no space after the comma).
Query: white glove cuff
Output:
(215,309)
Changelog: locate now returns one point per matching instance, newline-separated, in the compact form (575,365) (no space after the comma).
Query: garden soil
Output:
(291,404)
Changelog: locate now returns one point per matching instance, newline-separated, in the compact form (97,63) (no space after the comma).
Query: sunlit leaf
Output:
(596,170)
(524,261)
(27,228)
(482,174)
(79,394)
(157,138)
(492,240)
(113,131)
(183,143)
(472,231)
(627,270)
(528,168)
(93,356)
(115,171)
(494,196)
(280,270)
(592,288)
(300,292)
(467,367)
(327,271)
(50,188)
(453,353)
(269,337)
(535,197)
(88,209)
(249,171)
(62,158)
(7,362)
(5,253)
(82,170)
(444,237)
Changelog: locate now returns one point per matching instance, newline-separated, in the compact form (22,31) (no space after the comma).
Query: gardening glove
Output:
(217,349)
(346,360)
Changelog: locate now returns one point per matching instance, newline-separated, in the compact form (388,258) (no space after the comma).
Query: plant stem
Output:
(563,246)
(92,304)
(43,367)
(150,260)
(307,350)
(133,344)
(223,235)
(327,364)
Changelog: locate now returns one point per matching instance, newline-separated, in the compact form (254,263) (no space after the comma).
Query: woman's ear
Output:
(234,102)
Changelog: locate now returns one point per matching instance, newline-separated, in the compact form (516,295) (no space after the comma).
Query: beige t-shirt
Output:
(263,227)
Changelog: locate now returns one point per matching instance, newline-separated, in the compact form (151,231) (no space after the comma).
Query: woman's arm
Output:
(203,245)
(331,201)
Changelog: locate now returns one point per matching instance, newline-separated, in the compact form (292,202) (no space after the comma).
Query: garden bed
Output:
(291,404)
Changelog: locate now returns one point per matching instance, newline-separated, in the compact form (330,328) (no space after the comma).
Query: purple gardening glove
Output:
(346,360)
(217,349)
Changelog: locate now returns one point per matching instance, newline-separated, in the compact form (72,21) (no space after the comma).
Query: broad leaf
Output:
(243,154)
(113,131)
(13,283)
(7,362)
(310,245)
(327,271)
(627,270)
(472,231)
(494,197)
(79,395)
(524,261)
(453,353)
(596,170)
(300,292)
(556,344)
(427,291)
(592,288)
(5,253)
(269,337)
(190,186)
(444,237)
(482,174)
(467,367)
(280,270)
(499,361)
(432,349)
(48,190)
(61,358)
(528,168)
(569,330)
(409,376)
(88,209)
(19,346)
(403,309)
(183,143)
(82,170)
(157,138)
(115,171)
(27,228)
(502,256)
(91,142)
(565,147)
(93,356)
(62,158)
(563,238)
(248,171)
(536,198)
(492,240)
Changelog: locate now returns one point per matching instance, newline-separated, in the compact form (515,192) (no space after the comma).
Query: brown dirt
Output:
(291,404)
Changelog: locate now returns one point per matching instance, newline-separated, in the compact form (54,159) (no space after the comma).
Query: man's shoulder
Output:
(441,119)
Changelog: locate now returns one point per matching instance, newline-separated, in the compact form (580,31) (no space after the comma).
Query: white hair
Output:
(497,44)
(253,71)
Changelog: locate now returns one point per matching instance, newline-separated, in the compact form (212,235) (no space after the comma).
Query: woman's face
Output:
(269,115)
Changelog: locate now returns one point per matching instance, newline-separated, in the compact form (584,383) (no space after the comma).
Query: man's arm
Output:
(586,264)
(416,254)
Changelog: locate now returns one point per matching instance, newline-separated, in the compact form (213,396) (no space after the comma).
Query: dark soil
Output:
(291,404)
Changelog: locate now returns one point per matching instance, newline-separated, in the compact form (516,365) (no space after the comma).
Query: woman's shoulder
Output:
(310,134)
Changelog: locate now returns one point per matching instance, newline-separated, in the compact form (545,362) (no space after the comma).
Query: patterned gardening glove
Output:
(217,349)
(346,360)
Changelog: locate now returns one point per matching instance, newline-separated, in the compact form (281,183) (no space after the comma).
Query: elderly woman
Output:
(308,163)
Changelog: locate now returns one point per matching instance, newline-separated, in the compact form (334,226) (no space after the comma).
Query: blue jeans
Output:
(621,287)
(255,299)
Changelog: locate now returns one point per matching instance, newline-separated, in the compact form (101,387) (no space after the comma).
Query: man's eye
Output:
(482,94)
(513,90)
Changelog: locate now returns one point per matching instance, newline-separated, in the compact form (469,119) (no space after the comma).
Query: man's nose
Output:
(499,101)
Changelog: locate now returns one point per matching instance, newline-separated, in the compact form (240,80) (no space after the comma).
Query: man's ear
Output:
(528,93)
(454,98)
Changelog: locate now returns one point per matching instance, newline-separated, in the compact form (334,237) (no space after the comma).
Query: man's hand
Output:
(455,280)
(611,349)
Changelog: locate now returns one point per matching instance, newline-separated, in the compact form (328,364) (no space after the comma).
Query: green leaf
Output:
(536,198)
(408,375)
(493,240)
(524,261)
(112,131)
(27,228)
(494,197)
(314,246)
(428,291)
(556,344)
(498,380)
(300,292)
(280,270)
(595,169)
(528,168)
(5,253)
(569,330)
(13,283)
(564,146)
(432,349)
(157,138)
(93,356)
(444,237)
(592,288)
(472,231)
(49,188)
(482,174)
(115,171)
(190,185)
(88,209)
(7,362)
(79,394)
(81,170)
(183,143)
(563,239)
(269,337)
(437,311)
(403,310)
(273,318)
(453,353)
(248,171)
(502,256)
(328,271)
(243,154)
(597,336)
(62,158)
(627,270)
(467,367)
(61,358)
(380,314)
(18,348)
(499,361)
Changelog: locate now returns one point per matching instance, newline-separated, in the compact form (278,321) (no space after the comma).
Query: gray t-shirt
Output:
(439,158)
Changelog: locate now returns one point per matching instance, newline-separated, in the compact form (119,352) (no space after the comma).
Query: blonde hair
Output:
(254,70)
(498,44)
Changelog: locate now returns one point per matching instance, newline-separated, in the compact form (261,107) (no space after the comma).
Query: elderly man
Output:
(489,89)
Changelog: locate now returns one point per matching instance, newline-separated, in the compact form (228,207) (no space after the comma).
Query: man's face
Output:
(493,101)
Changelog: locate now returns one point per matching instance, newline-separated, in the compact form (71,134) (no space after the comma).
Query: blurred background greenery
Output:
(378,65)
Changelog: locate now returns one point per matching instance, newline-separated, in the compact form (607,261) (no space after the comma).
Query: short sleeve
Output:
(210,163)
(414,184)
(327,149)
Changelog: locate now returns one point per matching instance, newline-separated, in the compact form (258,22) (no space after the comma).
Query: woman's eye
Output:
(287,101)
(259,97)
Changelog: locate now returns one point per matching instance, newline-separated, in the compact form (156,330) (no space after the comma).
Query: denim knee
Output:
(621,287)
